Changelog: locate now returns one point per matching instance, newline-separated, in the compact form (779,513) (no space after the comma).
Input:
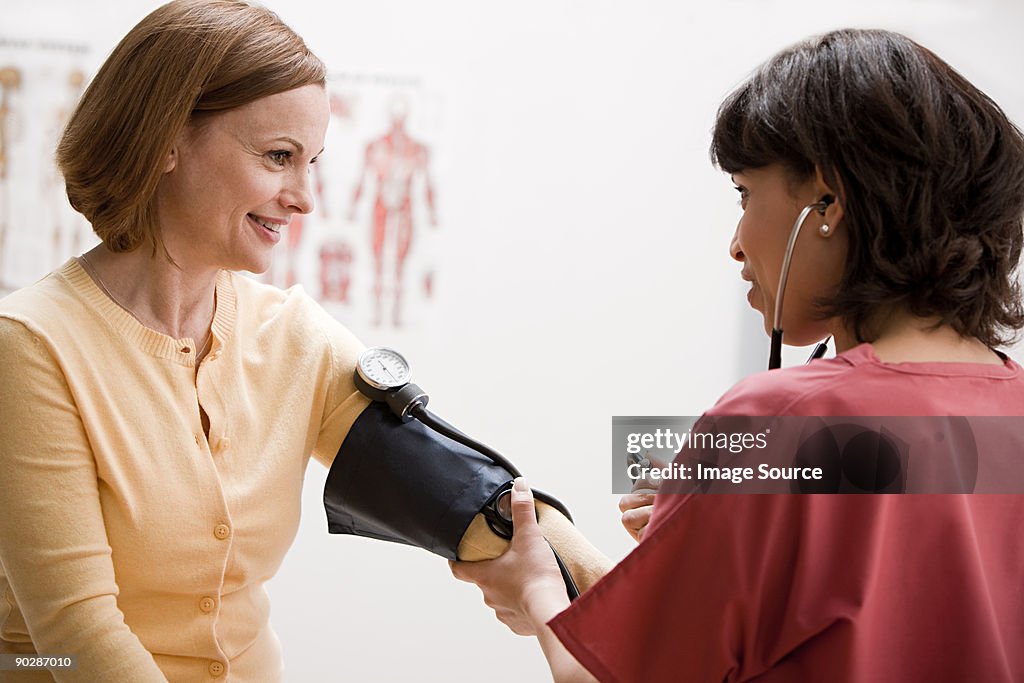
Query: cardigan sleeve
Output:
(344,402)
(53,544)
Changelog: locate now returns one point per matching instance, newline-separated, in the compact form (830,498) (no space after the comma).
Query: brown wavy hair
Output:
(929,170)
(186,59)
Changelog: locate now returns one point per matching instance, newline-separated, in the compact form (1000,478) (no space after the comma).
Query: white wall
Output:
(586,271)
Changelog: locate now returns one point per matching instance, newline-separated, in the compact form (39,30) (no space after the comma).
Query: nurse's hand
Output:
(636,507)
(523,586)
(636,511)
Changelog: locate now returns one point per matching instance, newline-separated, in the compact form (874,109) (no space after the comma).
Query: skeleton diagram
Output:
(336,255)
(293,238)
(10,80)
(68,230)
(394,160)
(335,271)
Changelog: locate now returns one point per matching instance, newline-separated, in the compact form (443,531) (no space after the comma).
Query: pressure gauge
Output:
(383,368)
(382,374)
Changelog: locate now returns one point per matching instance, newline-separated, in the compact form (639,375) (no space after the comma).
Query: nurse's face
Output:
(771,203)
(235,181)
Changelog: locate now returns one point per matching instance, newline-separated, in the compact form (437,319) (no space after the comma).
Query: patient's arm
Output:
(425,487)
(586,563)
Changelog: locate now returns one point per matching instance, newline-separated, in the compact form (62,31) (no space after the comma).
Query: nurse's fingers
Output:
(631,501)
(635,521)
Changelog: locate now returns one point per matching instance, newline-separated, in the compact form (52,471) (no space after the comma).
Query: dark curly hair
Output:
(929,170)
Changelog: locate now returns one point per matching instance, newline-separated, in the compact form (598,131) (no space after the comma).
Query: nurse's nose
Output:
(734,247)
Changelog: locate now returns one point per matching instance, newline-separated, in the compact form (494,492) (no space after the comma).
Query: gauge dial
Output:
(383,368)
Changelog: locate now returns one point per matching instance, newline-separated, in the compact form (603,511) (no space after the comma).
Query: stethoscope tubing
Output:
(442,427)
(775,353)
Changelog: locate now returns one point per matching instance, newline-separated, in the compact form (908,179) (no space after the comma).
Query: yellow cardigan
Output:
(128,537)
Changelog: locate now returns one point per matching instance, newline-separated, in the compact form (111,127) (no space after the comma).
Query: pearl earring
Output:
(825,230)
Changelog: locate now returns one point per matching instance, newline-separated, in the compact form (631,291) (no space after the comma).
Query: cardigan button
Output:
(222,531)
(207,604)
(216,669)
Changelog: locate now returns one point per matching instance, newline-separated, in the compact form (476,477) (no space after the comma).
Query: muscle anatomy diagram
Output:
(396,164)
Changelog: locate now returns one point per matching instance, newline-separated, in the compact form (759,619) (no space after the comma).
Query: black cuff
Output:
(405,483)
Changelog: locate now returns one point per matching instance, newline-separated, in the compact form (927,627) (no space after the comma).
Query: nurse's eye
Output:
(744,193)
(280,156)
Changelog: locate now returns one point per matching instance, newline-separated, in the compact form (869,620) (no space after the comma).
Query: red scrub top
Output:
(868,588)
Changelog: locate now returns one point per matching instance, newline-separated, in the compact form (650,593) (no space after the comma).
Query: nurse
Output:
(909,267)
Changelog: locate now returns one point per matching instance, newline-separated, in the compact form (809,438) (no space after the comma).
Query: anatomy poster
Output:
(40,83)
(369,250)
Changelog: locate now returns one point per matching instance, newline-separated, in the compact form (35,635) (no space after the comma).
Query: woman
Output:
(907,262)
(143,379)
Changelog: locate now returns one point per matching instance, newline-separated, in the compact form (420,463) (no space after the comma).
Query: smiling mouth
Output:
(272,227)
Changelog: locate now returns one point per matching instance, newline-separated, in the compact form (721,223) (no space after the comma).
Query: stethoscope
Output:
(775,354)
(382,374)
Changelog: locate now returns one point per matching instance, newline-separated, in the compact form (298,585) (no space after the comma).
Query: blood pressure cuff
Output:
(403,482)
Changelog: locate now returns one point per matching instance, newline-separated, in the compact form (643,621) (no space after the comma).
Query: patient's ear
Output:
(172,160)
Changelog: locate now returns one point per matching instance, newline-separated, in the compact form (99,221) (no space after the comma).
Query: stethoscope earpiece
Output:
(775,353)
